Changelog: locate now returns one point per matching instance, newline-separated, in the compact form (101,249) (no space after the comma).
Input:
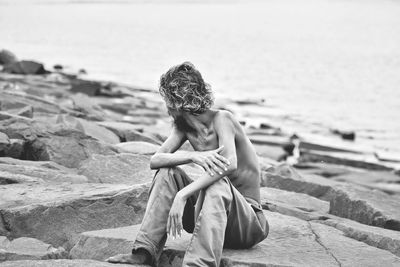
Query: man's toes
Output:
(120,258)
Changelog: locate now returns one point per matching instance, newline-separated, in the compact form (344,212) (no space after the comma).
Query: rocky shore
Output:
(74,178)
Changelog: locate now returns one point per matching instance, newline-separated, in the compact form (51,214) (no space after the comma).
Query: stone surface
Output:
(24,67)
(291,242)
(4,143)
(138,147)
(121,168)
(20,172)
(7,57)
(62,263)
(66,147)
(272,140)
(55,214)
(89,128)
(374,236)
(25,248)
(350,201)
(276,153)
(294,204)
(129,132)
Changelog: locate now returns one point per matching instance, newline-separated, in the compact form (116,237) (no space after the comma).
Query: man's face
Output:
(175,114)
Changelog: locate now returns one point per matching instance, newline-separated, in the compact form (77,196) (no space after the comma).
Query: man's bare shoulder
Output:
(225,117)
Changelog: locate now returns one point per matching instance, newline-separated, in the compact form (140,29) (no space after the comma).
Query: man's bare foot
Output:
(137,258)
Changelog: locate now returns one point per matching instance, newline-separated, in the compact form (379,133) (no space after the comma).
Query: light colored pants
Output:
(219,216)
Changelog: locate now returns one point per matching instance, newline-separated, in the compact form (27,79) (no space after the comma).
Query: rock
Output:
(43,164)
(7,57)
(294,204)
(302,244)
(15,149)
(90,88)
(117,169)
(347,159)
(56,213)
(318,143)
(346,135)
(25,248)
(4,143)
(349,201)
(24,67)
(18,100)
(65,147)
(58,67)
(86,105)
(374,236)
(272,152)
(129,132)
(89,128)
(62,263)
(22,173)
(26,111)
(269,140)
(266,163)
(136,147)
(388,156)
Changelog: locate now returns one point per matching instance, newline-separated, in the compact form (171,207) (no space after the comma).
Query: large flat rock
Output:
(294,204)
(62,263)
(124,168)
(367,206)
(374,236)
(55,213)
(291,242)
(25,248)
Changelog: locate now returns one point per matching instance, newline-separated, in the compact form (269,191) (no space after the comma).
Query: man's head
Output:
(184,90)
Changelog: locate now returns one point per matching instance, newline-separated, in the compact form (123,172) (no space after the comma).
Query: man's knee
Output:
(219,190)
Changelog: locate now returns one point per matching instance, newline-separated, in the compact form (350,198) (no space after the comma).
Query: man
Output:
(221,208)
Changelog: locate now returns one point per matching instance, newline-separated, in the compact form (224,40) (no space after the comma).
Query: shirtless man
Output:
(221,208)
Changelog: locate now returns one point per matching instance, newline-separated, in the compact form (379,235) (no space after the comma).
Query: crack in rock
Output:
(318,240)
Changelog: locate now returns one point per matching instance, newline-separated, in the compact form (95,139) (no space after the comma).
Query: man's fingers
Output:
(223,159)
(219,149)
(207,169)
(213,167)
(168,225)
(219,163)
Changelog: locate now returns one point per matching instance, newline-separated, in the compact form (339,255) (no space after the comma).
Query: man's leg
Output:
(152,235)
(223,219)
(212,207)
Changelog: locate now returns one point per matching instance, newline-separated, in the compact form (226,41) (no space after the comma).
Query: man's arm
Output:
(226,137)
(167,155)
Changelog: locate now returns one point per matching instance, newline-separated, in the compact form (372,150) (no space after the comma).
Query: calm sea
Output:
(321,64)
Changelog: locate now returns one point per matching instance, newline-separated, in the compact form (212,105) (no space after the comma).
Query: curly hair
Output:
(184,89)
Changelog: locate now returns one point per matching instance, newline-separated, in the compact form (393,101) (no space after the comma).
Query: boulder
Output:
(62,263)
(348,159)
(42,164)
(121,168)
(91,88)
(346,135)
(129,132)
(4,143)
(26,111)
(88,107)
(22,173)
(374,236)
(26,248)
(294,204)
(56,213)
(7,57)
(24,67)
(302,244)
(137,147)
(276,153)
(66,147)
(89,128)
(271,140)
(355,202)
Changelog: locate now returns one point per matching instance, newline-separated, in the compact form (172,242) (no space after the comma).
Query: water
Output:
(322,63)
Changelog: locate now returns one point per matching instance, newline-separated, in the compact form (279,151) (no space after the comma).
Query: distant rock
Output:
(90,88)
(7,57)
(56,213)
(137,147)
(276,153)
(25,67)
(66,147)
(26,248)
(129,132)
(62,263)
(121,168)
(358,203)
(346,135)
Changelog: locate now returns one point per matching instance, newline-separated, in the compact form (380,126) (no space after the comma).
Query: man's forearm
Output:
(160,160)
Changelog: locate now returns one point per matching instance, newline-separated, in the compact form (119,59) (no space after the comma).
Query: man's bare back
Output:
(246,178)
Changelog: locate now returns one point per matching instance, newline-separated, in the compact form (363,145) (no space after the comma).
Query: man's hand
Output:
(211,161)
(174,223)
